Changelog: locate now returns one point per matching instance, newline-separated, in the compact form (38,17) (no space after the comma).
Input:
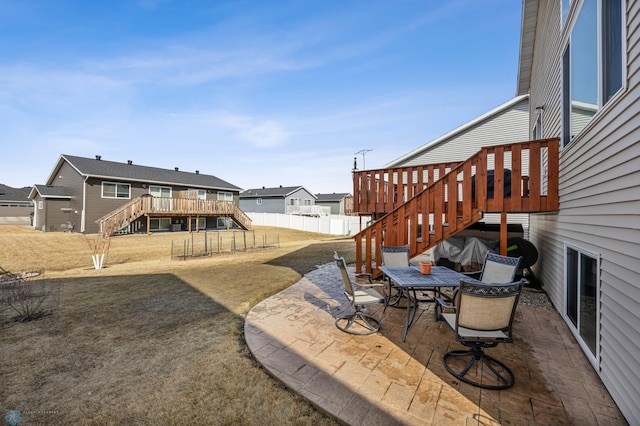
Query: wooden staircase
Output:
(161,207)
(424,205)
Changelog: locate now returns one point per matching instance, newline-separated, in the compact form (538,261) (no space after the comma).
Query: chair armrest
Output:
(368,285)
(365,274)
(471,274)
(444,303)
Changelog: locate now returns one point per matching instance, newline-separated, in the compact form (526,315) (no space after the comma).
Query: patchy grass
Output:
(150,340)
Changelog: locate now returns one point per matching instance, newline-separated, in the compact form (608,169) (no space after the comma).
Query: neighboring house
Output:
(15,202)
(281,199)
(506,123)
(340,203)
(91,195)
(579,63)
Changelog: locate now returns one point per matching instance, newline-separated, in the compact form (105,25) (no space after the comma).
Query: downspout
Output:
(84,204)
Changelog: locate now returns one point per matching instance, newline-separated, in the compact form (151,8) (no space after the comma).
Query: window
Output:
(222,222)
(294,201)
(225,196)
(592,63)
(202,223)
(307,202)
(259,201)
(40,205)
(160,224)
(582,298)
(160,191)
(116,190)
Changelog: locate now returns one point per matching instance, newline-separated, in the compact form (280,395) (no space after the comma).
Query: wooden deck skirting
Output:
(424,205)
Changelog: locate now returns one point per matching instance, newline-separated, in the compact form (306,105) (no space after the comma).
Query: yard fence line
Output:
(207,243)
(332,225)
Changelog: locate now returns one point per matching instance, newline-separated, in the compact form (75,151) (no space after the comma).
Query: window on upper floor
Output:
(225,196)
(160,191)
(592,63)
(116,190)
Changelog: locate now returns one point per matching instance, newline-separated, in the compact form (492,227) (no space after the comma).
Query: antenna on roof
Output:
(363,152)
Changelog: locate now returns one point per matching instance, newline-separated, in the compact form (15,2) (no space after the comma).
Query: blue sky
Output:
(258,93)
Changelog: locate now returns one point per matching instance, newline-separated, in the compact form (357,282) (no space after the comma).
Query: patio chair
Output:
(359,296)
(483,319)
(394,256)
(496,269)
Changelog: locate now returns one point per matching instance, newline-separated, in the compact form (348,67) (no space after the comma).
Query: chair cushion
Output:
(495,272)
(365,296)
(395,258)
(468,333)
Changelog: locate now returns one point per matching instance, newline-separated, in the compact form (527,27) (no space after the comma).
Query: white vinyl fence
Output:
(333,224)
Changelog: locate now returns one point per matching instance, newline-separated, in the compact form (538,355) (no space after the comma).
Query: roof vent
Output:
(98,157)
(129,162)
(263,187)
(197,172)
(176,169)
(280,186)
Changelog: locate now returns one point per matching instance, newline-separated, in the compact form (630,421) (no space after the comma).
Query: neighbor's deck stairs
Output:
(424,205)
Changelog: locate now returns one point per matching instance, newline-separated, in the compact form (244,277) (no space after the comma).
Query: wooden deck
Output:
(424,205)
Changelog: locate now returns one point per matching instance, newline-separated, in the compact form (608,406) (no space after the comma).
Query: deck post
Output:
(503,233)
(148,225)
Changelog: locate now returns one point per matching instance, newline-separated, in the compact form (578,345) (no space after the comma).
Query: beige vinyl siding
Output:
(507,127)
(599,206)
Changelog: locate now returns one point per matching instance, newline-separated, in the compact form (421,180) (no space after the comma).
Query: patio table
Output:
(410,278)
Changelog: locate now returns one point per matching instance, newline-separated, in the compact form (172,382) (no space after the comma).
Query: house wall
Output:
(55,216)
(599,204)
(68,178)
(511,125)
(506,127)
(335,206)
(269,205)
(302,195)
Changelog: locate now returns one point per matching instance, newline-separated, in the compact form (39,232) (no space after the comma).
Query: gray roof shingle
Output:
(99,168)
(281,191)
(8,193)
(336,196)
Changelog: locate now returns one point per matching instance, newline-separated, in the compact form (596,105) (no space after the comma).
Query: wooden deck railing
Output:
(512,178)
(161,206)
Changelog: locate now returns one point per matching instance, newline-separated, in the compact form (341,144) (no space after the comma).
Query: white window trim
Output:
(224,196)
(593,358)
(160,187)
(116,184)
(567,29)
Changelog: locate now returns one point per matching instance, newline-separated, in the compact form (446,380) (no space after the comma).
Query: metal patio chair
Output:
(394,256)
(359,296)
(483,319)
(496,269)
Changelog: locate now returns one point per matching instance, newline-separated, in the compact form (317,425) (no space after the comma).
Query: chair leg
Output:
(502,374)
(362,320)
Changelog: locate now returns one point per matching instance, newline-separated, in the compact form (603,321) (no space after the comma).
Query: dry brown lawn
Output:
(148,339)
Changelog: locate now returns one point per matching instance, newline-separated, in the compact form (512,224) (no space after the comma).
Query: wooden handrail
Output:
(511,178)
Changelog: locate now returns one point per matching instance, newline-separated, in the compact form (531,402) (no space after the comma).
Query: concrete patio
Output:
(380,380)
